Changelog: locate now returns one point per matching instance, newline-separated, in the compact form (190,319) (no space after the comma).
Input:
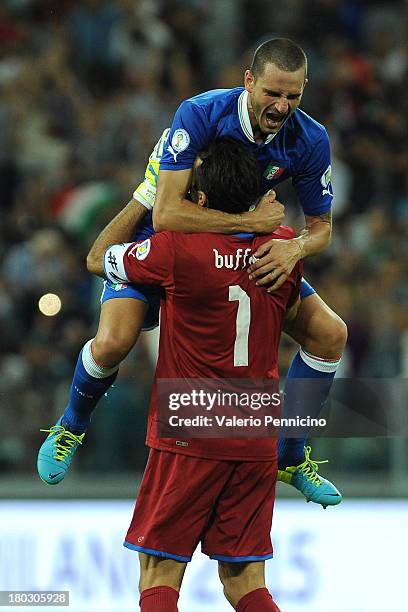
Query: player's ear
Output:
(249,81)
(202,198)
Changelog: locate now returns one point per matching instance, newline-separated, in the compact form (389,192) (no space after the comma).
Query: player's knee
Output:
(238,579)
(111,348)
(156,571)
(336,334)
(329,337)
(224,577)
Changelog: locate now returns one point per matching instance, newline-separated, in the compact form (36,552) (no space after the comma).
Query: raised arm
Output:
(150,261)
(313,185)
(173,212)
(190,133)
(120,229)
(276,258)
(123,226)
(317,234)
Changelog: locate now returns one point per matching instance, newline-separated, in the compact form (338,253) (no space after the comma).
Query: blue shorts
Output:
(306,289)
(148,294)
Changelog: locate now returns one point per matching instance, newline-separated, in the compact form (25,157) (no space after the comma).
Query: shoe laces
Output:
(310,467)
(65,441)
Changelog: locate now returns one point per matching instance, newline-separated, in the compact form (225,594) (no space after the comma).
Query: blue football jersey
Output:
(300,150)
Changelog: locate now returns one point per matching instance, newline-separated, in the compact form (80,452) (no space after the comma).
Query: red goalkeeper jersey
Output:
(215,322)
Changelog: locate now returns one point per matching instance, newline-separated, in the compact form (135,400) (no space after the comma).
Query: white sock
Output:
(90,364)
(318,363)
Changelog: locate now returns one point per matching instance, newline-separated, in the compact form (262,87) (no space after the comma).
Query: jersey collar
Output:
(244,120)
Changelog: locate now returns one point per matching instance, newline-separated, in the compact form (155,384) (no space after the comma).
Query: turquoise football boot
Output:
(305,478)
(56,453)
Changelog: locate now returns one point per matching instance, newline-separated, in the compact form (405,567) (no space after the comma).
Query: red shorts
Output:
(225,505)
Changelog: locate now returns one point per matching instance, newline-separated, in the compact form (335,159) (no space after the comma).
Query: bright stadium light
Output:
(49,304)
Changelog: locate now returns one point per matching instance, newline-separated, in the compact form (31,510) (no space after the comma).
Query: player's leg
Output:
(238,534)
(244,586)
(160,583)
(98,362)
(322,336)
(119,327)
(174,503)
(120,323)
(317,328)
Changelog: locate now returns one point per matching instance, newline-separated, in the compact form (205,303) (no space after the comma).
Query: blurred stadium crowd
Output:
(87,86)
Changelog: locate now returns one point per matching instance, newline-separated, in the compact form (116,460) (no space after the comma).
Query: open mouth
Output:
(273,120)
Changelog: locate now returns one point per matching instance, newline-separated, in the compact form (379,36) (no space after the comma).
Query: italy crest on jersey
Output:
(273,172)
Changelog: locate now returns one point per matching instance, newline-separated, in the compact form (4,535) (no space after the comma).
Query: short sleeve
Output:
(313,184)
(189,134)
(149,262)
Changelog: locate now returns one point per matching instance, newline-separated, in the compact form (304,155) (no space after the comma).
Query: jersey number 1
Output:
(236,293)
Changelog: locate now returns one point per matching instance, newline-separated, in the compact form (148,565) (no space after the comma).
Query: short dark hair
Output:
(229,175)
(282,52)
